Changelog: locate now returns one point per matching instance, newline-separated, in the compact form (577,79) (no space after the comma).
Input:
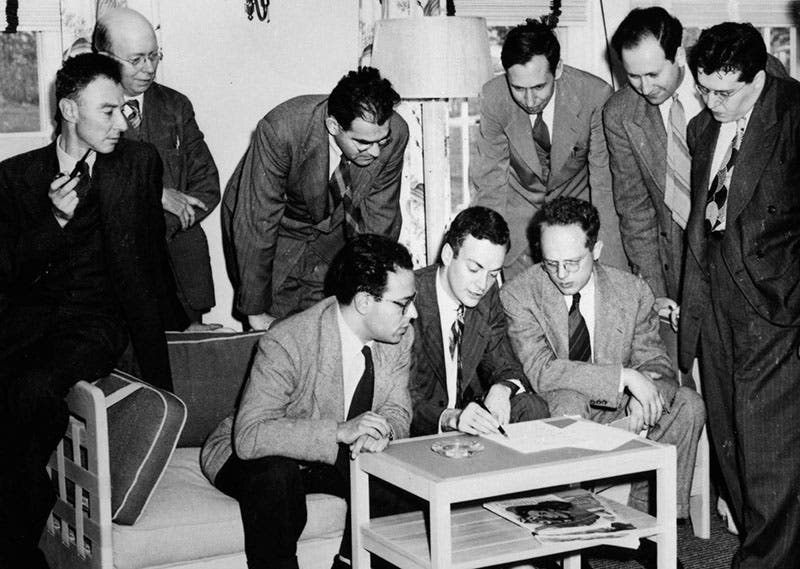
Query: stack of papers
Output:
(537,436)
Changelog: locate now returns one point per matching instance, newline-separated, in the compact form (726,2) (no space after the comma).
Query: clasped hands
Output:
(367,432)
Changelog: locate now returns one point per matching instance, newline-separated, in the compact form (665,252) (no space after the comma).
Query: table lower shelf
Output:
(480,538)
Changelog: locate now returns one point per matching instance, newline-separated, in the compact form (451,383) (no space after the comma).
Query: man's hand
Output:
(63,197)
(668,310)
(182,206)
(260,321)
(210,327)
(473,420)
(498,402)
(366,443)
(635,416)
(644,390)
(368,423)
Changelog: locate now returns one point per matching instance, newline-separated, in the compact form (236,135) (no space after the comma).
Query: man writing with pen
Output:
(587,337)
(464,373)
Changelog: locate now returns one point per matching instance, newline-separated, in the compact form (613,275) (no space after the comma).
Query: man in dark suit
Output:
(541,136)
(82,269)
(319,170)
(165,118)
(326,384)
(462,354)
(741,294)
(587,337)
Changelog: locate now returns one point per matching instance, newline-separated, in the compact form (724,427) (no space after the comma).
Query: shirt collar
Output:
(351,343)
(66,163)
(446,302)
(140,98)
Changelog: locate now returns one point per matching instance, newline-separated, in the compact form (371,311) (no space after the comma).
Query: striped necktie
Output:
(541,140)
(677,195)
(341,193)
(717,197)
(580,348)
(132,113)
(456,335)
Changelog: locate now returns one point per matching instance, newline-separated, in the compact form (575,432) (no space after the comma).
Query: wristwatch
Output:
(511,385)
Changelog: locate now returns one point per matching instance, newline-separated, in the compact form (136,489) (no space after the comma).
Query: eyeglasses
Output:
(569,266)
(137,62)
(403,305)
(723,96)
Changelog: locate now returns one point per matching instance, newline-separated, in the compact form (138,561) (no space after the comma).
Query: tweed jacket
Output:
(625,335)
(486,353)
(276,207)
(294,399)
(761,247)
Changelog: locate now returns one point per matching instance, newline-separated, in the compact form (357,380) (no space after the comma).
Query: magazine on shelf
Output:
(569,515)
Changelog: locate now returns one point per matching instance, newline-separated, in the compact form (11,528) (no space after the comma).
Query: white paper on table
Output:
(537,436)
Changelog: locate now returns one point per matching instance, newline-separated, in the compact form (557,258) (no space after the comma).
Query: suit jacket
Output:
(637,146)
(293,398)
(486,353)
(129,179)
(761,244)
(277,203)
(626,335)
(168,123)
(506,174)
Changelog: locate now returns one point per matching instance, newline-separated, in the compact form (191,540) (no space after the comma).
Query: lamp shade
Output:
(434,57)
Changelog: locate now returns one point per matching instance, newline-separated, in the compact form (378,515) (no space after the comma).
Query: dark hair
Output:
(363,94)
(101,38)
(642,23)
(363,265)
(79,71)
(566,211)
(481,223)
(729,47)
(529,39)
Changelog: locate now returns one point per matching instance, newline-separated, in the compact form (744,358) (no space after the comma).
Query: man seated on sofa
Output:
(587,337)
(82,269)
(461,350)
(326,384)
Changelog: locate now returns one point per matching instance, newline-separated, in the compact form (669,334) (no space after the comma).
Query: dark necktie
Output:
(456,335)
(717,197)
(340,190)
(541,139)
(132,114)
(580,348)
(84,181)
(677,196)
(360,403)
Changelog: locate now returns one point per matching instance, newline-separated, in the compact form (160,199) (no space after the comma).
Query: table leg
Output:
(441,535)
(572,561)
(359,513)
(666,480)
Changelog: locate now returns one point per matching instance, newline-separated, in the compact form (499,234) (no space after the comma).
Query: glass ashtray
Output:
(457,448)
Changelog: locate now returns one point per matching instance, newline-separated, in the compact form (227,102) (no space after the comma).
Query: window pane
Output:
(779,46)
(19,83)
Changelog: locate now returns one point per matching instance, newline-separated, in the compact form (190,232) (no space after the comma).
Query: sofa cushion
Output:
(188,519)
(144,424)
(208,371)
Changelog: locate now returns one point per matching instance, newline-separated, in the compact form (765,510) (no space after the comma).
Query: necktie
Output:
(132,113)
(717,198)
(677,196)
(84,181)
(541,139)
(341,193)
(360,403)
(580,348)
(456,335)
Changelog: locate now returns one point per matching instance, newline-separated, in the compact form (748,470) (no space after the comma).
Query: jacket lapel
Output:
(313,166)
(329,365)
(565,125)
(607,313)
(703,150)
(430,326)
(648,139)
(520,136)
(555,313)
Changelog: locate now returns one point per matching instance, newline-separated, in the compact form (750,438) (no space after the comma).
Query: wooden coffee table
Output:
(461,534)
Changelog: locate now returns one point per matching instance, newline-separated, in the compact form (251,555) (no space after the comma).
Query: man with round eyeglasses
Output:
(741,294)
(165,118)
(587,337)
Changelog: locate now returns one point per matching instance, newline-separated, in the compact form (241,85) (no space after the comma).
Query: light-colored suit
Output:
(637,148)
(506,174)
(294,399)
(277,215)
(626,335)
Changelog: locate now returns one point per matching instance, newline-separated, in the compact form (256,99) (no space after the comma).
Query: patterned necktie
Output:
(677,196)
(360,403)
(580,348)
(456,335)
(132,114)
(717,198)
(541,139)
(340,190)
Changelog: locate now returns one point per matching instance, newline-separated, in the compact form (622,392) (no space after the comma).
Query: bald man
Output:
(165,118)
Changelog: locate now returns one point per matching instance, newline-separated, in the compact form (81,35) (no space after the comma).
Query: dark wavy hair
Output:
(566,211)
(363,94)
(77,72)
(481,223)
(529,39)
(729,47)
(363,265)
(642,23)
